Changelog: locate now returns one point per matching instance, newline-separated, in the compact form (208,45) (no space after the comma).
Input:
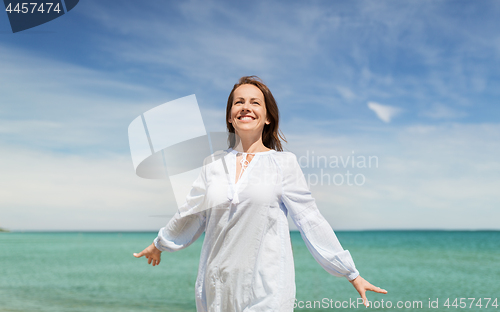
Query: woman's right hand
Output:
(151,253)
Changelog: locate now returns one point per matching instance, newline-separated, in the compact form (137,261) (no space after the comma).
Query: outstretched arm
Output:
(363,285)
(178,234)
(317,233)
(152,253)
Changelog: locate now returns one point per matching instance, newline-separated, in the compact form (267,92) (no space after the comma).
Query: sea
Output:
(89,271)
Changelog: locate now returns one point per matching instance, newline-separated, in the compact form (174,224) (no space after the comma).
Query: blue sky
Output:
(413,83)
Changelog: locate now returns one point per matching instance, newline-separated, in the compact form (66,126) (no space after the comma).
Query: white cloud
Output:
(440,111)
(384,112)
(428,177)
(73,108)
(346,93)
(309,48)
(441,176)
(41,190)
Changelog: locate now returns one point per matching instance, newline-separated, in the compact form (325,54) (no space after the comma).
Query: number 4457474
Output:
(462,303)
(32,8)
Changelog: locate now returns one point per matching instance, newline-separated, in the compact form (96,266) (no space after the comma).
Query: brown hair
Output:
(271,135)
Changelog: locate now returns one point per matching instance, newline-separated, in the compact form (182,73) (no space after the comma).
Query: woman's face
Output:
(248,113)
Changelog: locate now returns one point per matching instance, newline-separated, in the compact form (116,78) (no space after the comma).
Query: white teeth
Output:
(246,118)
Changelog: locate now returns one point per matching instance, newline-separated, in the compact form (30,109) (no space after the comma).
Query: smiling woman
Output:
(262,103)
(246,262)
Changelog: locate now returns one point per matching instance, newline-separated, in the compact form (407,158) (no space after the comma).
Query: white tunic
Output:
(246,261)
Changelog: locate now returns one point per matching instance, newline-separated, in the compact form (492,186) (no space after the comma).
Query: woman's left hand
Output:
(362,286)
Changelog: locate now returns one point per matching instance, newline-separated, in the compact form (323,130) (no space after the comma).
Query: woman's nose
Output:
(246,106)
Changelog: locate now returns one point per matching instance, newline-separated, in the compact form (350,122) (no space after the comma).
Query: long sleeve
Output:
(185,227)
(180,232)
(316,232)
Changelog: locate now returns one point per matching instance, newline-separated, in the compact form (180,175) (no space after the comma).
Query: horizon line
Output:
(155,231)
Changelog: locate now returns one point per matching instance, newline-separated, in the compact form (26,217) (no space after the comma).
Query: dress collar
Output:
(230,150)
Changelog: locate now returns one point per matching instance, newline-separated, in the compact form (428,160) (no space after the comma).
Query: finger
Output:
(138,255)
(380,290)
(365,300)
(377,289)
(149,260)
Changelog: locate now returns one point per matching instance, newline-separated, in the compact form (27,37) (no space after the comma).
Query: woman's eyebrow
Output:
(242,98)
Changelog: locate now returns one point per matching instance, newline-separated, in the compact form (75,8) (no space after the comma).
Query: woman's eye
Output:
(256,103)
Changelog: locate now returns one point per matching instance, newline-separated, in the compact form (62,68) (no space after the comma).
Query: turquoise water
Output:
(97,272)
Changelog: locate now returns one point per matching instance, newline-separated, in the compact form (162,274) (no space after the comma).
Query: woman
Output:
(241,201)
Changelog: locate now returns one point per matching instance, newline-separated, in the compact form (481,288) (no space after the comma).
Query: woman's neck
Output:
(249,145)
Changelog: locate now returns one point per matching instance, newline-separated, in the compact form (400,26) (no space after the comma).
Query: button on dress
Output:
(246,261)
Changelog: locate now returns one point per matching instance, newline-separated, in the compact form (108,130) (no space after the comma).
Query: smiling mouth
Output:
(246,118)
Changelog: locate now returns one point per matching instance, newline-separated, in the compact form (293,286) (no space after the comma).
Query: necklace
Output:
(244,164)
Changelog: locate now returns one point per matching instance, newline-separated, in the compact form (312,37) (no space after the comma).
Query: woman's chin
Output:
(246,131)
(249,129)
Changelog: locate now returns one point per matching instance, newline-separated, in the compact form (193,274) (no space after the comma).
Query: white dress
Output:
(246,261)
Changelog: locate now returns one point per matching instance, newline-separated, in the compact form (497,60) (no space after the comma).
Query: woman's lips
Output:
(246,118)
